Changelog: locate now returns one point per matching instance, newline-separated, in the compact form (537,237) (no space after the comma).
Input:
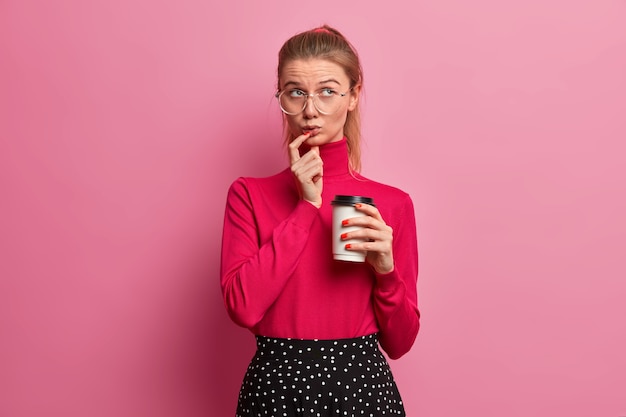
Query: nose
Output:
(310,110)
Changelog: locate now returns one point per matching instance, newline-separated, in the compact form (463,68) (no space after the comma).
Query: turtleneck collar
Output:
(335,157)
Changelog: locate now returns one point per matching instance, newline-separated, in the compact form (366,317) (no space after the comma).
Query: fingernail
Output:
(344,222)
(348,245)
(358,205)
(344,235)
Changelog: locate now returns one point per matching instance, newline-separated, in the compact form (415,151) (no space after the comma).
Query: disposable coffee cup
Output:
(343,208)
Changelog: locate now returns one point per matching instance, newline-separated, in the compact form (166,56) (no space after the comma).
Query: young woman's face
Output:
(318,76)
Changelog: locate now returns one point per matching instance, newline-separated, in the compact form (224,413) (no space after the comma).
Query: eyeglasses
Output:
(326,101)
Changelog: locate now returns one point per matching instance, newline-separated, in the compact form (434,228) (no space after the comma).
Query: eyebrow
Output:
(297,84)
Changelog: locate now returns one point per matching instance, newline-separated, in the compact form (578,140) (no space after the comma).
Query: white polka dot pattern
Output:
(319,378)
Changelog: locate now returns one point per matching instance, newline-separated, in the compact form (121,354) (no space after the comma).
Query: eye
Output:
(327,92)
(296,93)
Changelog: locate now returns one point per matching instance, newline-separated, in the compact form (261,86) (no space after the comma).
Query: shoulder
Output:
(254,188)
(248,183)
(386,191)
(395,205)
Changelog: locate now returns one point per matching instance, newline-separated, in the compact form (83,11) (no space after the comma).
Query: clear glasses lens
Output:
(295,101)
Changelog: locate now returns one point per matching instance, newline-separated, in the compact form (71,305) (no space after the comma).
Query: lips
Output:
(313,130)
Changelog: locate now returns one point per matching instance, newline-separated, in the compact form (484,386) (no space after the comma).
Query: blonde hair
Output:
(329,44)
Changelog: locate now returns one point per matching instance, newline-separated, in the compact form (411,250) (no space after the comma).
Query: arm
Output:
(253,274)
(392,253)
(395,294)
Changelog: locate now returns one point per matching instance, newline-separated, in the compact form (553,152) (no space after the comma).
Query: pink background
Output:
(122,123)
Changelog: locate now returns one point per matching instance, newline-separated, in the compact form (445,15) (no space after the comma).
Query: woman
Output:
(318,321)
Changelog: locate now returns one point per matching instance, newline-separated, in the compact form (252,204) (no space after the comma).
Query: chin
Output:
(319,140)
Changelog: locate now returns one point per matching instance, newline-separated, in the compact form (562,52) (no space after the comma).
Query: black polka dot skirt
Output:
(319,378)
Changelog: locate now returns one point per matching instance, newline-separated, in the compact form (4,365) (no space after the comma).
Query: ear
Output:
(355,93)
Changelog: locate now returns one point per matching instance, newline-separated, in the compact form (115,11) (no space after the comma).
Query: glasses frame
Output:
(312,96)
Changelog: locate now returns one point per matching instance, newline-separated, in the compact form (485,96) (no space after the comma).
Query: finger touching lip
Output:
(311,130)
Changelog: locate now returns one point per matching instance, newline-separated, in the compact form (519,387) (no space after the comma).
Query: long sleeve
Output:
(278,275)
(395,293)
(253,273)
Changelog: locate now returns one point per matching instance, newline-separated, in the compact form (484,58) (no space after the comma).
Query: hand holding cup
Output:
(360,233)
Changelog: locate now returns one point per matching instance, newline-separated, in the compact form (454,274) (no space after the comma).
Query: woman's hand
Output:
(307,170)
(377,238)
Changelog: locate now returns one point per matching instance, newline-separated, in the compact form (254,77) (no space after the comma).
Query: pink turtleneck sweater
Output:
(278,275)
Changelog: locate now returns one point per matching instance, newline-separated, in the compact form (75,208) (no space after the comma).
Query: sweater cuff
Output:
(304,214)
(387,282)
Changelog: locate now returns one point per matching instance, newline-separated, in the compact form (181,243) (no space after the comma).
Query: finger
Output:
(364,221)
(310,158)
(369,210)
(294,146)
(306,173)
(309,162)
(369,228)
(378,247)
(368,235)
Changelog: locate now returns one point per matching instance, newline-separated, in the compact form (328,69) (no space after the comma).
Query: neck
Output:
(335,157)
